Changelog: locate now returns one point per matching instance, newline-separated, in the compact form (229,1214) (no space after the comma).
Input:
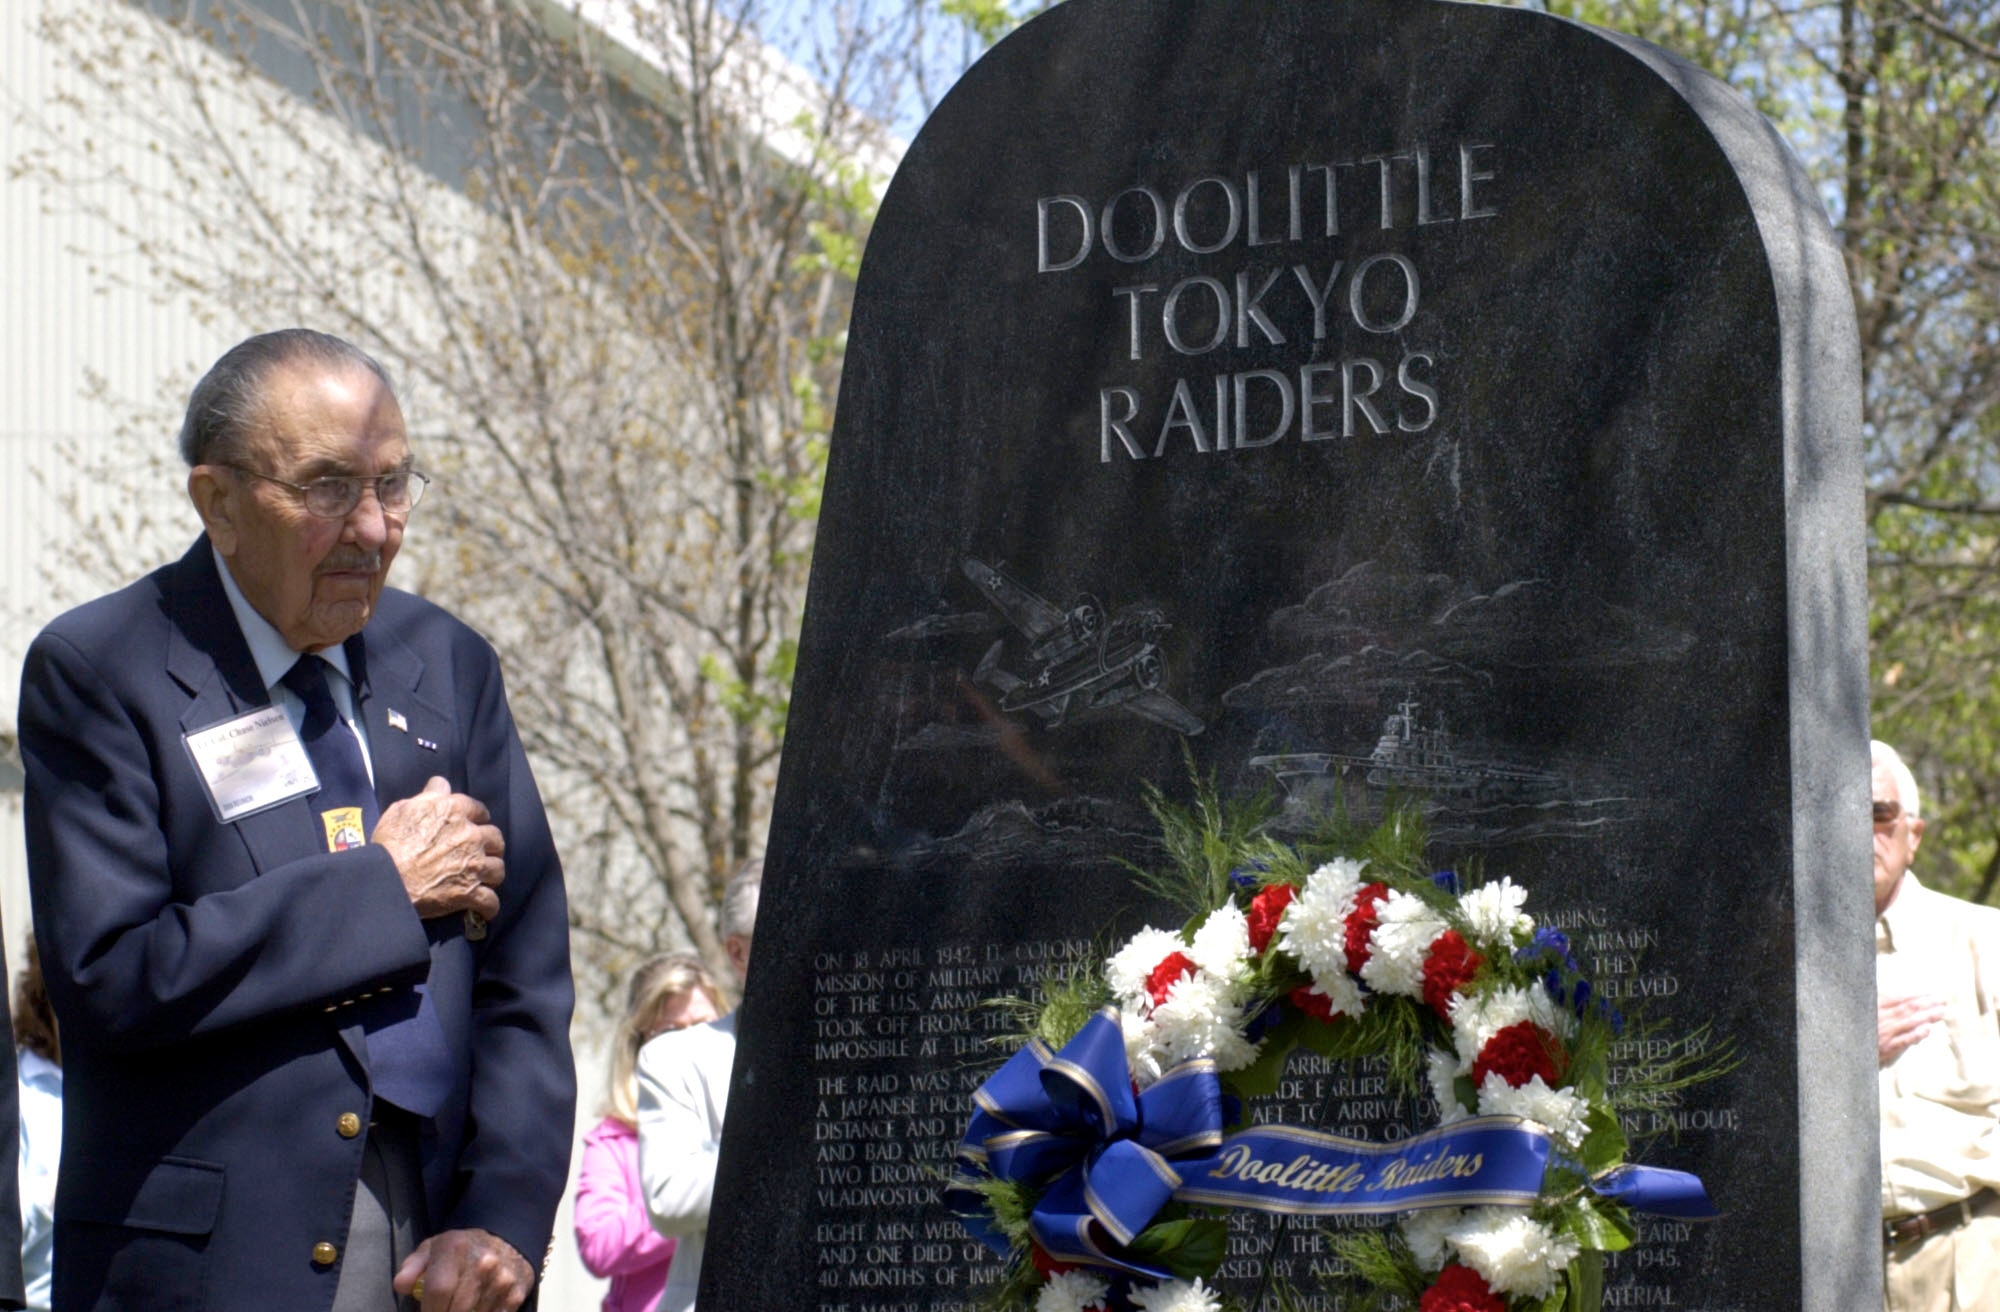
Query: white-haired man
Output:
(299,911)
(1937,981)
(683,1097)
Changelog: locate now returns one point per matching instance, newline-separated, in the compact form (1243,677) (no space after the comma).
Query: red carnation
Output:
(1177,965)
(1313,1003)
(1460,1289)
(1361,923)
(1266,910)
(1046,1265)
(1519,1053)
(1448,967)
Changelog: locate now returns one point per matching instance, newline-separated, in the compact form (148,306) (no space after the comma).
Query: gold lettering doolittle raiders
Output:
(1307,1175)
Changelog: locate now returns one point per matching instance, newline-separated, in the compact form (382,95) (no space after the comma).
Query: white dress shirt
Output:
(275,658)
(41,1149)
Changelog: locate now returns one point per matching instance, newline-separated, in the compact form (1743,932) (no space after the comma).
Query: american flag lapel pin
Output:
(397,720)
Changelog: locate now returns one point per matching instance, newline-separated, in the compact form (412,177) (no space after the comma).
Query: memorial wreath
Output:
(1097,1154)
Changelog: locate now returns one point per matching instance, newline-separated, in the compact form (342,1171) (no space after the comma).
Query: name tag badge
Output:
(251,763)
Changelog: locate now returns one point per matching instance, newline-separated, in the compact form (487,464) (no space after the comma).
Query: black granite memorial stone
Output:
(1365,397)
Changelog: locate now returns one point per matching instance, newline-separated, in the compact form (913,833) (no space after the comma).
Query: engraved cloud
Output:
(1374,630)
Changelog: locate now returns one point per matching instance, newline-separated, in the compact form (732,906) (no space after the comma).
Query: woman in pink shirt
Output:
(612,1230)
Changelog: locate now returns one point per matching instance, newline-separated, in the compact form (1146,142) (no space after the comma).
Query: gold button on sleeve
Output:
(324,1254)
(349,1125)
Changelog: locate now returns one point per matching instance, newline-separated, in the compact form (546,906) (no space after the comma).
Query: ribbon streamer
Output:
(1108,1159)
(1656,1190)
(1496,1160)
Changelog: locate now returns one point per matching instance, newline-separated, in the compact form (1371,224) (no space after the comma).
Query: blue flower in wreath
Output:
(1564,979)
(1249,876)
(1264,1022)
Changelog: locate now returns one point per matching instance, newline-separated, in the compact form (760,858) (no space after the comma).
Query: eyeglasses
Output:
(1887,813)
(336,496)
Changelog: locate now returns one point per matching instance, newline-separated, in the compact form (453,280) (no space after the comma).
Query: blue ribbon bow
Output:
(1070,1122)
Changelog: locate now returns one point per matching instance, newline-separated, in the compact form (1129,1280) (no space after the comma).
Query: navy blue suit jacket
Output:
(198,969)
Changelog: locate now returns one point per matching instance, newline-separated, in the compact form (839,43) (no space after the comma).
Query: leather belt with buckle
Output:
(1908,1229)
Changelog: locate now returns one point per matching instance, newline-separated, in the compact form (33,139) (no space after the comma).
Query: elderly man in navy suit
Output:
(300,914)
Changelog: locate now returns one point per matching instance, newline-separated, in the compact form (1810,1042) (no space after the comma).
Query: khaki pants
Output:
(1957,1271)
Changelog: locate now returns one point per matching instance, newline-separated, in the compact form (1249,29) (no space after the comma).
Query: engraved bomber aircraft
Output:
(1082,662)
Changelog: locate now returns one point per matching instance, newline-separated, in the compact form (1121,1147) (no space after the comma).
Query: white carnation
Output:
(1314,927)
(1341,993)
(1222,943)
(1142,1048)
(1561,1110)
(1178,1296)
(1425,1232)
(1493,917)
(1443,1069)
(1071,1291)
(1202,1012)
(1475,1020)
(1514,1252)
(1405,928)
(1132,965)
(1202,1016)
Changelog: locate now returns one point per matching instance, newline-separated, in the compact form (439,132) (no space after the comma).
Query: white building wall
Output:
(64,320)
(73,306)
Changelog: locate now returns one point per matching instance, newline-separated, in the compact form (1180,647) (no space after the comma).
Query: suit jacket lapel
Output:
(206,652)
(207,655)
(410,738)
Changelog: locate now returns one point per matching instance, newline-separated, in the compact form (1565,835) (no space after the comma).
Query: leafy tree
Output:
(611,278)
(1894,106)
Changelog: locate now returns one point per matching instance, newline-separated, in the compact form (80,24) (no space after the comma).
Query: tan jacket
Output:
(1940,1096)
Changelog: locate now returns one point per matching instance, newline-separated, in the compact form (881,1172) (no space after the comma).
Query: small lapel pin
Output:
(427,744)
(396,720)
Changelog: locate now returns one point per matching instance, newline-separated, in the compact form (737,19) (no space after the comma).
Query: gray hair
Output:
(739,899)
(227,404)
(1880,753)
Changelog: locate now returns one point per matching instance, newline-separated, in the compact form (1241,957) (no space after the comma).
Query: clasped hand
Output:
(446,851)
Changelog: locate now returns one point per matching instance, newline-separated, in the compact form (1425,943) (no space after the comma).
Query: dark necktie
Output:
(409,1062)
(346,801)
